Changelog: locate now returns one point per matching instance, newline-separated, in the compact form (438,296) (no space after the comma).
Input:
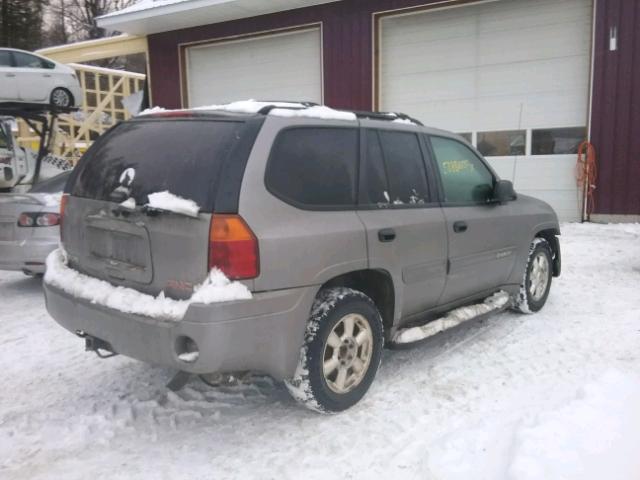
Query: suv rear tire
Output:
(341,352)
(536,283)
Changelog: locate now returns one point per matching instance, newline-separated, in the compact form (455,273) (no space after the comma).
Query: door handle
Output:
(46,75)
(460,227)
(387,235)
(11,74)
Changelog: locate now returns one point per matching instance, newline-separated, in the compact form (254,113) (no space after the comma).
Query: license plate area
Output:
(120,250)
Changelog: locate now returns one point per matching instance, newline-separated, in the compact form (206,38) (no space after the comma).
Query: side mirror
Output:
(503,191)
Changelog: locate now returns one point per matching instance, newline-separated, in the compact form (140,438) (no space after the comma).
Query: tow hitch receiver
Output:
(97,345)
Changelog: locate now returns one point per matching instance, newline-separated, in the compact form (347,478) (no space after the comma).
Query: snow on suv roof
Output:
(292,109)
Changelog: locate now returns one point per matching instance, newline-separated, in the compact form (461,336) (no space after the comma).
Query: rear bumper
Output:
(262,334)
(76,92)
(29,255)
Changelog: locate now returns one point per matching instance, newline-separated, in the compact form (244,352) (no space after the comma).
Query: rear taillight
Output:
(63,206)
(233,248)
(36,219)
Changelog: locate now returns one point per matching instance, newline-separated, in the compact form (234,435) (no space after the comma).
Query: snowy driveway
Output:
(522,397)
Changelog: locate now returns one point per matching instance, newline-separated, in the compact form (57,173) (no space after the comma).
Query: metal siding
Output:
(348,77)
(616,108)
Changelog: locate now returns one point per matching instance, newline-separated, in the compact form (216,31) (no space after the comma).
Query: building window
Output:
(502,144)
(557,141)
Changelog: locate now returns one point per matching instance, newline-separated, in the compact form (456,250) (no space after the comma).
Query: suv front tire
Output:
(536,283)
(341,352)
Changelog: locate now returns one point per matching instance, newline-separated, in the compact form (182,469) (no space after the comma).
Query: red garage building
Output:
(525,80)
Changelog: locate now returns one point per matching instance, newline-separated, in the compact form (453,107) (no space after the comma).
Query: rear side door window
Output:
(393,172)
(314,168)
(24,60)
(465,178)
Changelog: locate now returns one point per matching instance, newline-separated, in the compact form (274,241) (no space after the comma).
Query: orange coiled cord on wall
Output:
(587,175)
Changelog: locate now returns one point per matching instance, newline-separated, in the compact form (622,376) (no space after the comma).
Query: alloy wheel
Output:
(347,353)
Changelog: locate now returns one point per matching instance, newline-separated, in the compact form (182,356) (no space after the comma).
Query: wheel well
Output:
(376,284)
(551,236)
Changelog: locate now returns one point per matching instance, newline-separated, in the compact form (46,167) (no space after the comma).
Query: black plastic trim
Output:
(230,180)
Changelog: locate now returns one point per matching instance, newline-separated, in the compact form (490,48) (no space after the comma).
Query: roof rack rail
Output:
(389,116)
(278,104)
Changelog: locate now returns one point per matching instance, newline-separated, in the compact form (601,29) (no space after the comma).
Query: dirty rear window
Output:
(182,156)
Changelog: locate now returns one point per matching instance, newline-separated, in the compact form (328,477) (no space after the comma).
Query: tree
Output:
(75,20)
(78,17)
(21,23)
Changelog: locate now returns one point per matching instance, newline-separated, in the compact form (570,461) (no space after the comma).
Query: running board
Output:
(495,303)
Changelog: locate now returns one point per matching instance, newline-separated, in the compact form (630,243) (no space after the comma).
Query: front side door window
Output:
(465,178)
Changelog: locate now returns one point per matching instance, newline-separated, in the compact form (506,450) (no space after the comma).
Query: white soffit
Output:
(155,16)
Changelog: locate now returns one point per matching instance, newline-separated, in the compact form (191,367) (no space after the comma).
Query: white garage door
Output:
(285,66)
(512,75)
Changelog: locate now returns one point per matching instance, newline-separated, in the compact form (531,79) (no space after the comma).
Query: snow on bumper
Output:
(216,288)
(263,333)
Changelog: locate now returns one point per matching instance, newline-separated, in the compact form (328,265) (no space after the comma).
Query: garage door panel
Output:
(435,86)
(532,77)
(554,109)
(532,14)
(491,46)
(431,58)
(566,203)
(549,172)
(282,66)
(413,31)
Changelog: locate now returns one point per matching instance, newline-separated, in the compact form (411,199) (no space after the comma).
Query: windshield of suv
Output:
(182,156)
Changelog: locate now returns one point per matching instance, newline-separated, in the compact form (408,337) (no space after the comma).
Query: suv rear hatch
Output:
(195,157)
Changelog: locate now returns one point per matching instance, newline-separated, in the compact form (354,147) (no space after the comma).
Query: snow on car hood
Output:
(216,288)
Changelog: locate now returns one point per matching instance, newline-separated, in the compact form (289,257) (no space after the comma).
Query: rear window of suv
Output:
(182,156)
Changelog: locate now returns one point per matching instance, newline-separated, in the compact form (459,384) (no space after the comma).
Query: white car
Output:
(29,78)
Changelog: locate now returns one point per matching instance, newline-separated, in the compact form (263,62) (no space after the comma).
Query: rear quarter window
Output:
(182,156)
(314,167)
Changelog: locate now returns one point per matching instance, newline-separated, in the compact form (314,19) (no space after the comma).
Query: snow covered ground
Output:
(549,396)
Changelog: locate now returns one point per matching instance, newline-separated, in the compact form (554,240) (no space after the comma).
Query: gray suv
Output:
(348,232)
